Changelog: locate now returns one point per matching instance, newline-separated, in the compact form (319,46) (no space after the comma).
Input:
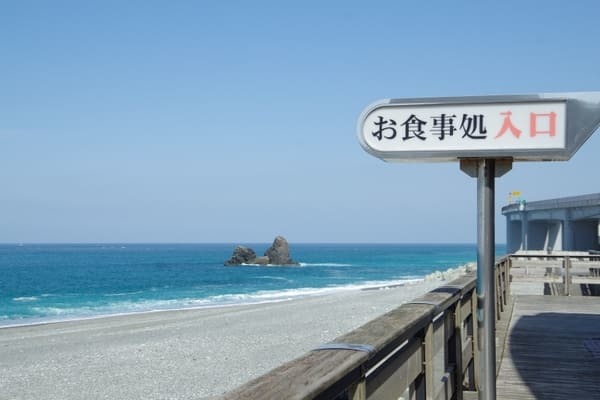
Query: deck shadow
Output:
(580,289)
(551,357)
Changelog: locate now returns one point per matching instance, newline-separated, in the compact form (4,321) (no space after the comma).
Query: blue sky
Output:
(231,121)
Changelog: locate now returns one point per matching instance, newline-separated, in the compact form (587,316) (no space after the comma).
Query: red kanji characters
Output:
(546,120)
(508,125)
(533,124)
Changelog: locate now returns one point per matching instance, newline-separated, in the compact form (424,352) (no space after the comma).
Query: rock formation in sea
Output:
(241,255)
(277,254)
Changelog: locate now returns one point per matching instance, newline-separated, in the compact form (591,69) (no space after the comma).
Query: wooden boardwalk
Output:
(552,349)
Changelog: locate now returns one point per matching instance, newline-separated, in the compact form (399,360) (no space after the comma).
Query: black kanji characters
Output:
(380,123)
(443,125)
(473,126)
(413,128)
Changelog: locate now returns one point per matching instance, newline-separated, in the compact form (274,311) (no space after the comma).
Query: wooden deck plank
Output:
(545,356)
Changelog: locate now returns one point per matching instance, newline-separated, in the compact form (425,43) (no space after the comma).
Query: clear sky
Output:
(231,121)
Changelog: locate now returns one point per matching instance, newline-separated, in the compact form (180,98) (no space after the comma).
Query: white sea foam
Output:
(288,294)
(25,299)
(58,311)
(271,265)
(302,264)
(324,265)
(121,294)
(56,314)
(275,278)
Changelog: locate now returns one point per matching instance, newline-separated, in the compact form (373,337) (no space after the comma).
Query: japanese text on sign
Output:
(535,125)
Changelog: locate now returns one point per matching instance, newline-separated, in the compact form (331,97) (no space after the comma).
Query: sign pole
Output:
(486,170)
(486,313)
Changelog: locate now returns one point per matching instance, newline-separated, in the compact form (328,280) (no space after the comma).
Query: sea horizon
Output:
(233,243)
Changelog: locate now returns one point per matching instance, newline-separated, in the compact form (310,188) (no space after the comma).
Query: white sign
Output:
(515,127)
(464,127)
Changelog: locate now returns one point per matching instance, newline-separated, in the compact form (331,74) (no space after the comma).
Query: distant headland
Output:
(277,254)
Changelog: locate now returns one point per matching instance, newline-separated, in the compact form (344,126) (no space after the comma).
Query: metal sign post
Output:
(486,170)
(485,134)
(485,277)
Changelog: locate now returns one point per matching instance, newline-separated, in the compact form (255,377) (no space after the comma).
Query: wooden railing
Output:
(566,274)
(425,349)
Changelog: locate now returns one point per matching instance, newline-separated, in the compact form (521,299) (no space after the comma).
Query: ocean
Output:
(55,282)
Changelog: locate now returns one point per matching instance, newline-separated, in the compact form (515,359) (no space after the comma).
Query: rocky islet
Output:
(277,254)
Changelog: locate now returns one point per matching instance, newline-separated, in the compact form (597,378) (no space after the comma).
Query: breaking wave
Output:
(25,299)
(46,314)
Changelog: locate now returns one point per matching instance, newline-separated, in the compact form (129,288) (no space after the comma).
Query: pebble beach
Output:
(183,354)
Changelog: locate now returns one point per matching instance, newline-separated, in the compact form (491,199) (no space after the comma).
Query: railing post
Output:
(501,286)
(475,340)
(429,385)
(498,291)
(358,391)
(507,279)
(567,276)
(458,346)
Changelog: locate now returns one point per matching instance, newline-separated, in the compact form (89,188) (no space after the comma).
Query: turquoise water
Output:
(40,283)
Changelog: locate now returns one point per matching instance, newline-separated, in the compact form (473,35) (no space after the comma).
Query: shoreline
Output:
(181,353)
(321,292)
(128,314)
(271,297)
(278,296)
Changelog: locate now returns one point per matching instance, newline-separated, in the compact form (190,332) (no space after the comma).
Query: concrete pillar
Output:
(554,236)
(524,230)
(568,234)
(513,235)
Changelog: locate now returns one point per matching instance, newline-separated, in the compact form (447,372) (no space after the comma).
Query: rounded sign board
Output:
(520,127)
